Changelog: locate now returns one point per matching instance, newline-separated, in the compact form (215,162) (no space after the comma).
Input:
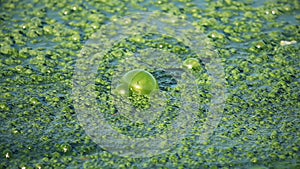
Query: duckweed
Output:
(257,41)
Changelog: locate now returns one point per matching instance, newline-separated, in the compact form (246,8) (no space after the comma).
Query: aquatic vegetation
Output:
(257,41)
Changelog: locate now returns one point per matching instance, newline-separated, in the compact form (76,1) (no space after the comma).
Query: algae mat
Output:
(62,61)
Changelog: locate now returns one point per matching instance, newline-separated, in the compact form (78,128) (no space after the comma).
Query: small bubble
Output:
(191,63)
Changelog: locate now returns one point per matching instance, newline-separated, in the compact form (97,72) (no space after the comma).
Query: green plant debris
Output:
(258,42)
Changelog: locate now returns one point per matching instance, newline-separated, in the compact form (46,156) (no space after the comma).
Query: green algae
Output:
(39,47)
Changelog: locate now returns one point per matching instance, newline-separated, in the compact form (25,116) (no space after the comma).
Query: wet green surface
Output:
(40,43)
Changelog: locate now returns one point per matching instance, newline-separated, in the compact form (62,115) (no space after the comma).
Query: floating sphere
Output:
(122,89)
(140,81)
(191,63)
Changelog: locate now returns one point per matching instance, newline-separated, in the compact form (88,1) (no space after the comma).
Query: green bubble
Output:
(122,89)
(140,82)
(191,63)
